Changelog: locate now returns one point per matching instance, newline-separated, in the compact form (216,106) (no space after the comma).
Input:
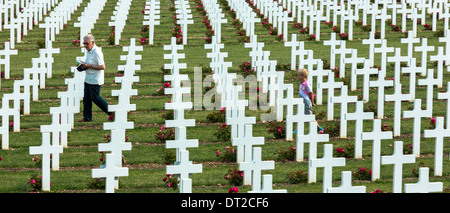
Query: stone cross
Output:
(350,17)
(293,44)
(46,150)
(438,133)
(267,186)
(430,81)
(359,116)
(57,129)
(380,83)
(383,17)
(342,51)
(383,49)
(424,49)
(424,185)
(404,11)
(354,61)
(111,171)
(332,43)
(327,162)
(434,10)
(184,168)
(446,95)
(374,12)
(412,69)
(5,112)
(417,113)
(317,17)
(376,135)
(414,16)
(247,142)
(410,41)
(256,165)
(371,42)
(366,71)
(445,15)
(330,85)
(313,138)
(397,59)
(398,159)
(440,60)
(344,99)
(394,6)
(397,97)
(300,118)
(346,185)
(6,53)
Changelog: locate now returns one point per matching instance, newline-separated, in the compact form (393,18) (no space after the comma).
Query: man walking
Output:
(95,67)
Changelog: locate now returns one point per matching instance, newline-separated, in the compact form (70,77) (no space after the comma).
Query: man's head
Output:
(89,42)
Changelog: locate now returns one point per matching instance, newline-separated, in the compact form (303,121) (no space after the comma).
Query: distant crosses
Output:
(398,159)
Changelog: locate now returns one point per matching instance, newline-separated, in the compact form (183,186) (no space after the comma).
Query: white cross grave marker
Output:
(359,116)
(398,159)
(417,113)
(6,53)
(346,185)
(256,165)
(376,135)
(46,149)
(439,133)
(424,185)
(313,138)
(327,162)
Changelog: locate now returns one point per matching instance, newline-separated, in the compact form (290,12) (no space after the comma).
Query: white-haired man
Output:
(95,68)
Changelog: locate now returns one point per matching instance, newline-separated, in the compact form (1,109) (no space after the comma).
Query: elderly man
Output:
(95,67)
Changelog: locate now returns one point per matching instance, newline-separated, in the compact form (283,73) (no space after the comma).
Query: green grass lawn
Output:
(145,161)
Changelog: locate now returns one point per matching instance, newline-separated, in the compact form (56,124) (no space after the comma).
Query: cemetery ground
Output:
(145,161)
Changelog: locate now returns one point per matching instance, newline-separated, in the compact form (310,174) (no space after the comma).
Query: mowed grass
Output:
(145,160)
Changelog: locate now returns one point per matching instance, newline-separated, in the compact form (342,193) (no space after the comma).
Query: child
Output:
(306,93)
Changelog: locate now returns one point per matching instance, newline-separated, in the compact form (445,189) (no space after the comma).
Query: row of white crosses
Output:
(182,166)
(55,135)
(152,11)
(89,16)
(245,14)
(26,89)
(248,157)
(417,113)
(113,168)
(216,17)
(57,18)
(119,18)
(276,15)
(183,17)
(22,21)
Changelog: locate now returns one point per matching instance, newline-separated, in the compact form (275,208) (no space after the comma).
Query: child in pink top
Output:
(305,92)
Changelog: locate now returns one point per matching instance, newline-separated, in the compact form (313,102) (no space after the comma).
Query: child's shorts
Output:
(308,110)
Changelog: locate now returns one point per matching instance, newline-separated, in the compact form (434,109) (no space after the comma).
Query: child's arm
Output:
(311,97)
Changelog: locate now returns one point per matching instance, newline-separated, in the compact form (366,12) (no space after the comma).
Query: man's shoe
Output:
(83,120)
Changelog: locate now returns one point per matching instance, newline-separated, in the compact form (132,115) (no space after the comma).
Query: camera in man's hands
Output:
(81,68)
